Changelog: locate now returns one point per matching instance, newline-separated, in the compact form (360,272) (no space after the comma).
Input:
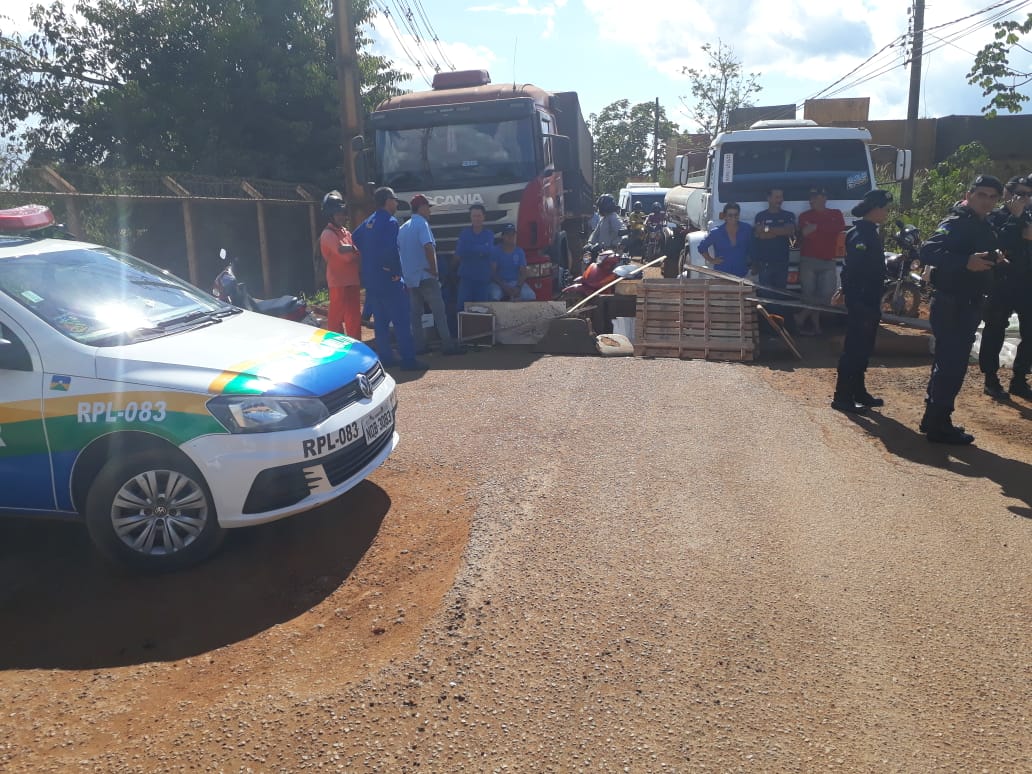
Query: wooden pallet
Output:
(693,318)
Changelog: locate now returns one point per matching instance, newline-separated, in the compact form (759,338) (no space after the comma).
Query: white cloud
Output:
(800,48)
(546,11)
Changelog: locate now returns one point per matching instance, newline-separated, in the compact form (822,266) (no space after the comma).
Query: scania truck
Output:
(743,165)
(523,153)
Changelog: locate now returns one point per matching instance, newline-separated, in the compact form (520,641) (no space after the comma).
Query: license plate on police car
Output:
(377,422)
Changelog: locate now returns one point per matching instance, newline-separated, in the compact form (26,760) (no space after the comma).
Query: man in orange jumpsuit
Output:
(342,265)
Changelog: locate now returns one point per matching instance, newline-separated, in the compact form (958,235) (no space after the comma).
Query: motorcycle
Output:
(653,241)
(601,267)
(906,286)
(231,290)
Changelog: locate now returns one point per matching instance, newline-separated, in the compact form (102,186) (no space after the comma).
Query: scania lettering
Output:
(162,416)
(522,152)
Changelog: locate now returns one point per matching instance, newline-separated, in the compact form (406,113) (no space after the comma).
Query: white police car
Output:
(162,416)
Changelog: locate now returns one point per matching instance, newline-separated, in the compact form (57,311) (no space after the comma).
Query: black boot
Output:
(923,427)
(993,388)
(863,397)
(1019,386)
(843,399)
(939,428)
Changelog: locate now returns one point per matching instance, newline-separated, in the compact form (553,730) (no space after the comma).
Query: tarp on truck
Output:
(577,180)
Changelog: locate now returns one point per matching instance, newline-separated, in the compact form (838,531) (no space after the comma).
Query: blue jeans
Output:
(472,290)
(389,303)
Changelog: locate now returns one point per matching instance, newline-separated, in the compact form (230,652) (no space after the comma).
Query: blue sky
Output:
(612,49)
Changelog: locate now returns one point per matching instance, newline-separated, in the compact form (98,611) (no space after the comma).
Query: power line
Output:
(433,34)
(1002,9)
(408,20)
(382,6)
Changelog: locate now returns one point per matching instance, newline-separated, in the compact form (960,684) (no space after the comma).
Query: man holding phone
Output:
(963,252)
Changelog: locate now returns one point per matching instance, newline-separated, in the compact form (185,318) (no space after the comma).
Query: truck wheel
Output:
(152,512)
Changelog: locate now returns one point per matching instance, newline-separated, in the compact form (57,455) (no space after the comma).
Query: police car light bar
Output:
(27,218)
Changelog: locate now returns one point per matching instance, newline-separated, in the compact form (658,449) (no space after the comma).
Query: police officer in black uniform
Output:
(863,283)
(963,252)
(1011,292)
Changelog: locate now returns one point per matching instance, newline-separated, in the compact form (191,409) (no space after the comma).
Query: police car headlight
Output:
(263,414)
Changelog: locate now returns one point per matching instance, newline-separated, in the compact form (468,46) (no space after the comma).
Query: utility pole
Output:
(655,146)
(359,204)
(906,190)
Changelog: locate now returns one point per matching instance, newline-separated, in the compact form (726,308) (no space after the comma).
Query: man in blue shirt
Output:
(473,250)
(377,241)
(418,252)
(773,232)
(509,265)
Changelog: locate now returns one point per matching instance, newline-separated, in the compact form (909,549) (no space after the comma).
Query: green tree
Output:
(719,88)
(938,189)
(992,73)
(623,138)
(217,87)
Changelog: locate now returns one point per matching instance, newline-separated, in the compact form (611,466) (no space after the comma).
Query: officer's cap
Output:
(1020,180)
(987,181)
(872,200)
(381,195)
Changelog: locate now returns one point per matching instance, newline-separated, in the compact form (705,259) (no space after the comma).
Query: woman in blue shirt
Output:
(730,241)
(473,250)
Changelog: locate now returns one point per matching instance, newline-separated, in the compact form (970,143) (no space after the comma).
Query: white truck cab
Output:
(743,165)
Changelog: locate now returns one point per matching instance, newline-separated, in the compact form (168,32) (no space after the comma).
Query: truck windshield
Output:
(747,170)
(455,155)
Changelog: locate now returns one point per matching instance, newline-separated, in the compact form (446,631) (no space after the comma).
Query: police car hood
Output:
(246,354)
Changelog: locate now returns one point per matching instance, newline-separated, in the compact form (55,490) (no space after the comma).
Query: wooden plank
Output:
(781,331)
(692,354)
(698,315)
(699,342)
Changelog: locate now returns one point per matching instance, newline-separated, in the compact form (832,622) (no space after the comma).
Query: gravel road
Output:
(575,564)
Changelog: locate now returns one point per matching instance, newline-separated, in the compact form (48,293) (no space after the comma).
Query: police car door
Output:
(26,478)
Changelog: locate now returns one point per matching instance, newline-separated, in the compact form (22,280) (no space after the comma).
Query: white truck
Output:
(742,165)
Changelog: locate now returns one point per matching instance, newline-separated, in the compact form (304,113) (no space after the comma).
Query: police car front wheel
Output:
(153,512)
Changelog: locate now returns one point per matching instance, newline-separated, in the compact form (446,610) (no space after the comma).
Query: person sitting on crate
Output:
(731,242)
(863,281)
(509,269)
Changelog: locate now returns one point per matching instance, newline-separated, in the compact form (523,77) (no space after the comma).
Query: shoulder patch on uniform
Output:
(860,245)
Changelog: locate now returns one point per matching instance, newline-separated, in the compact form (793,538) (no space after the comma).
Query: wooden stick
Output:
(780,330)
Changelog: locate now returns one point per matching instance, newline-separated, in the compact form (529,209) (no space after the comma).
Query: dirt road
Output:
(712,571)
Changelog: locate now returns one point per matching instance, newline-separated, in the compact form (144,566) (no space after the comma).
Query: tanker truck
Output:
(743,165)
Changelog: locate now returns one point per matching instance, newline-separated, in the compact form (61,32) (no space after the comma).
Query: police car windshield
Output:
(102,297)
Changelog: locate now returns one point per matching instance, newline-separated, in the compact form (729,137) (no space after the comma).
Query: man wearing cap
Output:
(820,229)
(863,280)
(1011,292)
(509,269)
(377,241)
(963,254)
(418,252)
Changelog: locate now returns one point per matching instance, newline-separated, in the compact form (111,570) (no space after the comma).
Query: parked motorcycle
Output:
(231,290)
(601,267)
(905,286)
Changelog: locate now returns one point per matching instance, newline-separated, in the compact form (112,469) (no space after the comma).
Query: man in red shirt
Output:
(821,230)
(342,269)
